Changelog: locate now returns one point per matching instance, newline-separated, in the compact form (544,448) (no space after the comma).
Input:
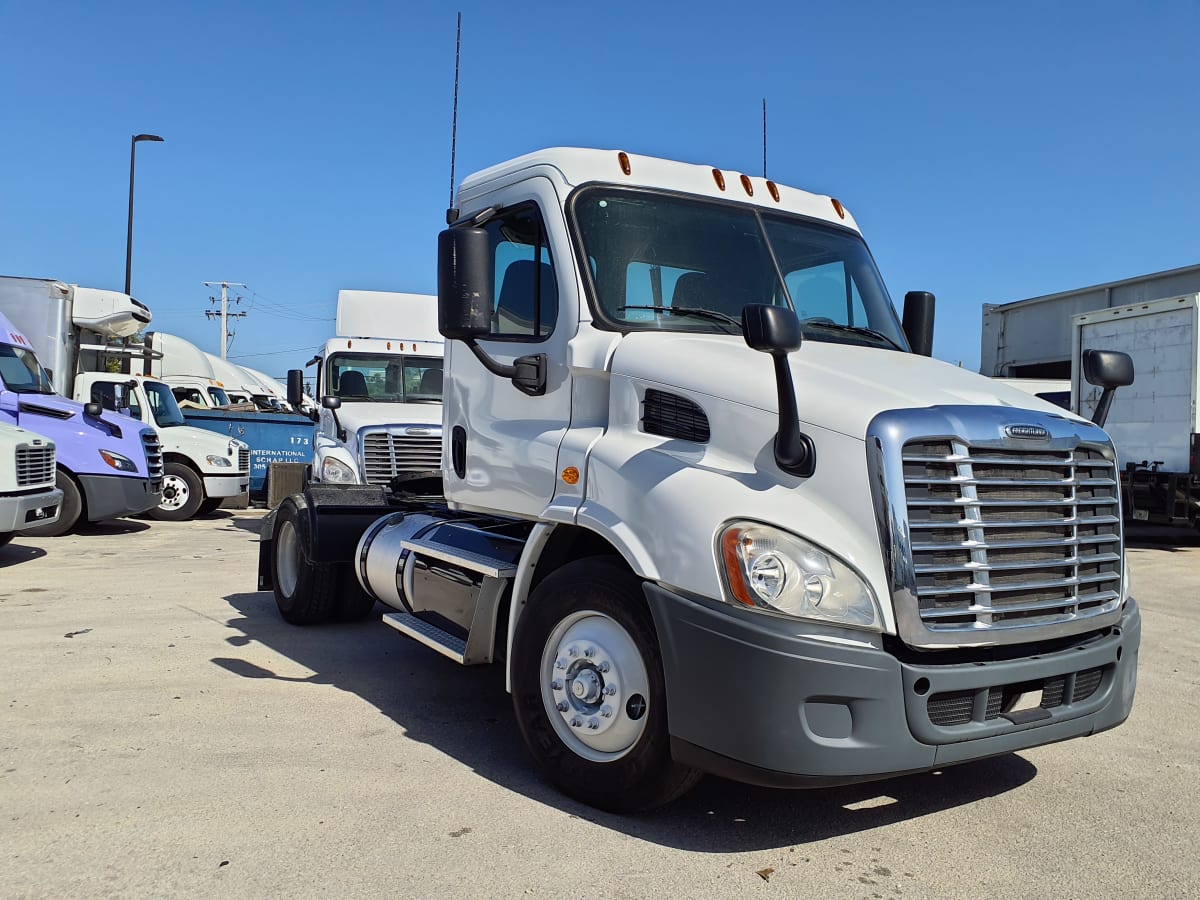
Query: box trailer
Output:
(1153,423)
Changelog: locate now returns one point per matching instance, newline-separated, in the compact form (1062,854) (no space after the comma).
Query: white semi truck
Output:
(1155,424)
(72,328)
(28,496)
(714,509)
(380,387)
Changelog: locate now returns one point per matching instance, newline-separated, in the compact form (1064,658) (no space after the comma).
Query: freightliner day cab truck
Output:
(28,496)
(106,465)
(710,510)
(380,384)
(74,329)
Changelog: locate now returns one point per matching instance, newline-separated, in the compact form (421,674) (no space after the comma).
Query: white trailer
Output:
(1154,421)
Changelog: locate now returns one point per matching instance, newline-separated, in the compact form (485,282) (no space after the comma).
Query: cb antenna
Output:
(764,137)
(451,212)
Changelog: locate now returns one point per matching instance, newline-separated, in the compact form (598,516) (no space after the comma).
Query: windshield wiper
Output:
(691,311)
(852,329)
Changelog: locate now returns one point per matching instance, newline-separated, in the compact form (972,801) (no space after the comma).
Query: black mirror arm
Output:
(794,450)
(1100,416)
(527,373)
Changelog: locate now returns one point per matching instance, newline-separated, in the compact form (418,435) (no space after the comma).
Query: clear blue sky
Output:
(990,152)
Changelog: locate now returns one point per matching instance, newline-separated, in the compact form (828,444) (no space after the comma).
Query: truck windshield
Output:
(219,397)
(667,262)
(385,377)
(21,372)
(162,404)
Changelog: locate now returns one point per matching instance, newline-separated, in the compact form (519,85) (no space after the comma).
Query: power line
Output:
(277,352)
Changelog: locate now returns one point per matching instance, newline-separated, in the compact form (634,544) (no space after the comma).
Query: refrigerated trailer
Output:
(1153,423)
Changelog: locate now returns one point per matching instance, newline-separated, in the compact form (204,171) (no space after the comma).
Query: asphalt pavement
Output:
(164,733)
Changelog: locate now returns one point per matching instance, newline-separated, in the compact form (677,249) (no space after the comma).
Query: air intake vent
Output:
(672,416)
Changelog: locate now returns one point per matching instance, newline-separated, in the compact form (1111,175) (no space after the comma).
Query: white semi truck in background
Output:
(28,497)
(380,387)
(72,329)
(1155,423)
(713,507)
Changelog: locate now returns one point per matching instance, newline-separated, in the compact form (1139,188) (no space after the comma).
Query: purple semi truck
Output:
(108,465)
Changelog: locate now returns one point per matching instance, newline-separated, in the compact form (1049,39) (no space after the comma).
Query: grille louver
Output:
(1009,538)
(35,466)
(672,416)
(387,455)
(154,458)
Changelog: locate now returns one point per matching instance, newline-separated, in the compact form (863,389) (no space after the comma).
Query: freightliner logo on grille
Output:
(1029,432)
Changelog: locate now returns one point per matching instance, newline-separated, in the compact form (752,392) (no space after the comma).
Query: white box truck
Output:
(713,507)
(379,384)
(28,497)
(1153,423)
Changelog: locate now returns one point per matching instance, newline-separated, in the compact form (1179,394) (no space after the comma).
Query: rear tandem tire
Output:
(70,513)
(589,692)
(305,592)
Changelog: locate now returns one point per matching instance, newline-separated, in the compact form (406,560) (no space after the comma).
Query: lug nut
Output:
(560,663)
(593,723)
(589,652)
(604,666)
(577,722)
(562,706)
(556,684)
(606,711)
(610,689)
(572,652)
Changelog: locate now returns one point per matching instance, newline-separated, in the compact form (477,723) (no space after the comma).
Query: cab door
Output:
(501,445)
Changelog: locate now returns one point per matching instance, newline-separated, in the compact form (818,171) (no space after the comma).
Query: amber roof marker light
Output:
(719,178)
(623,159)
(773,190)
(747,186)
(838,208)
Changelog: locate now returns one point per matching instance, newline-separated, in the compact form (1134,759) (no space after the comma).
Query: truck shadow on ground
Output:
(466,713)
(16,553)
(111,526)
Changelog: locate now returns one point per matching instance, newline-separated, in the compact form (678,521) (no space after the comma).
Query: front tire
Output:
(68,515)
(305,592)
(589,692)
(182,494)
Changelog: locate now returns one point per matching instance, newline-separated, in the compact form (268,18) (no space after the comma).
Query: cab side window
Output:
(526,292)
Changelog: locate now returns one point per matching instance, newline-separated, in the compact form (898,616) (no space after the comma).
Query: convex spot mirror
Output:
(331,402)
(771,329)
(1107,368)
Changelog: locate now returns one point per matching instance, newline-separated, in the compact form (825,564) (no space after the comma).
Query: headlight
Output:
(117,461)
(221,462)
(769,569)
(337,472)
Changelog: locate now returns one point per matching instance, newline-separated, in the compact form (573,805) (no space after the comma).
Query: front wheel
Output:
(70,512)
(182,494)
(588,690)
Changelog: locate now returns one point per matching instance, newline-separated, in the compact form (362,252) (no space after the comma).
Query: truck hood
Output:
(838,386)
(356,416)
(56,407)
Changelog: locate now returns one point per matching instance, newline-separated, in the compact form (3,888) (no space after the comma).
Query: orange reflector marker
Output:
(837,205)
(349,344)
(748,186)
(570,475)
(623,159)
(389,345)
(733,565)
(719,178)
(774,189)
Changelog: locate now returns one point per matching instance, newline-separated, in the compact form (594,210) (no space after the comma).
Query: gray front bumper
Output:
(27,510)
(747,702)
(112,496)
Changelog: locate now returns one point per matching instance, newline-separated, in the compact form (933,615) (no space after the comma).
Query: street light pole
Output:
(129,235)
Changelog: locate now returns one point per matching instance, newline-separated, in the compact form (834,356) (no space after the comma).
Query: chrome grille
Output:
(1004,538)
(154,457)
(386,455)
(244,459)
(35,466)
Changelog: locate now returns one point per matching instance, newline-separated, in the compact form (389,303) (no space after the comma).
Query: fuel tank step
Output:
(468,559)
(431,636)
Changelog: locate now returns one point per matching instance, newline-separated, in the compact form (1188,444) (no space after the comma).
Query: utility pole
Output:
(224,315)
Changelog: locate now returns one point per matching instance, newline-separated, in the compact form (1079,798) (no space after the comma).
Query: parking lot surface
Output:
(163,732)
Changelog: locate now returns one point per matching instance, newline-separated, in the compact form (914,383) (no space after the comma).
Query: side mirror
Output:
(465,283)
(776,330)
(92,410)
(918,321)
(1107,369)
(331,402)
(771,329)
(295,387)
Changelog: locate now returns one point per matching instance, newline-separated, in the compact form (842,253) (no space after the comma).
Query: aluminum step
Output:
(431,636)
(476,562)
